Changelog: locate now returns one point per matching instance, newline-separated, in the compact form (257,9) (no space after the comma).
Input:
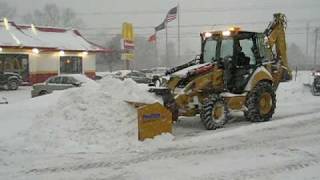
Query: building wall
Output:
(47,64)
(42,66)
(89,65)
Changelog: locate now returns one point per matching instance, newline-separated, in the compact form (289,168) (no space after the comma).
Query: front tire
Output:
(214,113)
(13,85)
(41,93)
(261,103)
(314,90)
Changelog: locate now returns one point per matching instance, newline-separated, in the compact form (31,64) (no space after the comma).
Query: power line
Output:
(316,45)
(198,25)
(183,36)
(185,11)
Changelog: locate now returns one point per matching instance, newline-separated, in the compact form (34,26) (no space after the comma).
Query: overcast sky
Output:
(196,15)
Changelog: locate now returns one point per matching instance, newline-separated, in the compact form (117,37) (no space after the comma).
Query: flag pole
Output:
(156,46)
(167,55)
(179,33)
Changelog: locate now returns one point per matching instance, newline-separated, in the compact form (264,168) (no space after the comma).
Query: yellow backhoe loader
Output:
(236,71)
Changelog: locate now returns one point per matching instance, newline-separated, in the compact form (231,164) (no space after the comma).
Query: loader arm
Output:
(276,36)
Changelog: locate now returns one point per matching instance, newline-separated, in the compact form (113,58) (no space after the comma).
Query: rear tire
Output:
(261,103)
(214,113)
(314,90)
(41,93)
(13,85)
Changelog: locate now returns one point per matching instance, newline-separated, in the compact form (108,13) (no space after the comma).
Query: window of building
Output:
(70,65)
(18,63)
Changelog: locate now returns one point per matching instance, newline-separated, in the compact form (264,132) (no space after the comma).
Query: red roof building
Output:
(37,53)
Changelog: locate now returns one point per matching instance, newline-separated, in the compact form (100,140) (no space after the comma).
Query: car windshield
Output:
(69,80)
(54,80)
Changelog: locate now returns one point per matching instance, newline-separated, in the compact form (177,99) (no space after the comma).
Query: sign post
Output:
(127,44)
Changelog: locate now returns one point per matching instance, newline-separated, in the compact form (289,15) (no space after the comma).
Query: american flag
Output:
(172,14)
(152,38)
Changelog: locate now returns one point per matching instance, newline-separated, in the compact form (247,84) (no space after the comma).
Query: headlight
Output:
(226,33)
(207,35)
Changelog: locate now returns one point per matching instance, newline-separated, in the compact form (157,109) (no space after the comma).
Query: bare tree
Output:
(69,18)
(145,55)
(6,10)
(51,15)
(111,61)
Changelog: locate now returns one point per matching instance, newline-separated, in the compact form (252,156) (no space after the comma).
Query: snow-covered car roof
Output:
(123,73)
(80,77)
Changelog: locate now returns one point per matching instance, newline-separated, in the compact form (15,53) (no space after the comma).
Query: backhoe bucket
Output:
(153,119)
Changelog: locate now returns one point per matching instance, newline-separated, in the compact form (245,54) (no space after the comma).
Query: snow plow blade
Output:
(153,119)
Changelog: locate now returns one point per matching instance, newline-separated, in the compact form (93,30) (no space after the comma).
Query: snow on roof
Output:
(13,37)
(45,38)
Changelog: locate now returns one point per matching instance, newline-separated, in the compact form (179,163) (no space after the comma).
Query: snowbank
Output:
(96,118)
(86,119)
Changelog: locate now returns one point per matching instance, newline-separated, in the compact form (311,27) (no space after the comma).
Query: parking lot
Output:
(23,93)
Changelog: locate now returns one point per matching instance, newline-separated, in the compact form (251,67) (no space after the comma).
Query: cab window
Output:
(247,49)
(209,52)
(226,48)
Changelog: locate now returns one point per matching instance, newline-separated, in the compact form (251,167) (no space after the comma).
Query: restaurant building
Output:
(37,53)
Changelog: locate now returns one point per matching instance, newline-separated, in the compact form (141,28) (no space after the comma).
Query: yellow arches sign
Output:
(127,42)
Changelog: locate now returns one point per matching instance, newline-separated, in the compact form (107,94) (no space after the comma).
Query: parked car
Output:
(137,76)
(158,75)
(10,80)
(159,71)
(101,75)
(316,83)
(147,72)
(54,83)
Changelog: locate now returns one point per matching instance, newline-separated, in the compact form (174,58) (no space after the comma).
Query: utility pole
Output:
(307,38)
(316,45)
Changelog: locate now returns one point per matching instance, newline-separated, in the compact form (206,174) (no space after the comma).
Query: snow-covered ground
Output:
(23,93)
(90,133)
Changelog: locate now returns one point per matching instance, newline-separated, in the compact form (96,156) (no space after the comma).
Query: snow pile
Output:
(128,90)
(90,118)
(296,89)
